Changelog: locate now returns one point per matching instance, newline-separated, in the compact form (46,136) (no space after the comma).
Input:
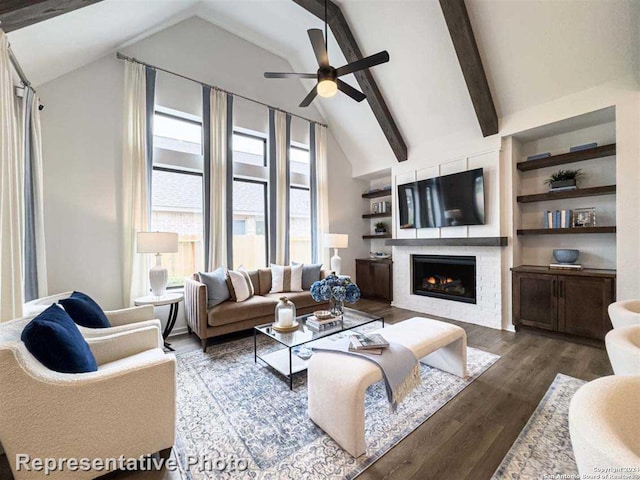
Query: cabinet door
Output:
(364,279)
(381,280)
(534,301)
(582,306)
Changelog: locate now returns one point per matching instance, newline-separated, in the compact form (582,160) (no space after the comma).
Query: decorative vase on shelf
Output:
(285,312)
(336,307)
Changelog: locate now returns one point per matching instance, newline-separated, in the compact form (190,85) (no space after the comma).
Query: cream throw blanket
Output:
(400,367)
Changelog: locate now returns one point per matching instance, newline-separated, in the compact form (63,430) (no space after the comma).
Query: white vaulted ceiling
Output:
(533,51)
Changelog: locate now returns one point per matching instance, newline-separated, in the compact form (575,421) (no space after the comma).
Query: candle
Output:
(285,318)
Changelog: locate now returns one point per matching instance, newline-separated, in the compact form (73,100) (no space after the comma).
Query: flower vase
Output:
(336,307)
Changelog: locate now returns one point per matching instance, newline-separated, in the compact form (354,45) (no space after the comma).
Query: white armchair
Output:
(125,408)
(121,320)
(623,348)
(625,312)
(605,426)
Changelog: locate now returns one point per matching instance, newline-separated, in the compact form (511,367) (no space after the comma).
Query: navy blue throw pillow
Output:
(84,311)
(56,342)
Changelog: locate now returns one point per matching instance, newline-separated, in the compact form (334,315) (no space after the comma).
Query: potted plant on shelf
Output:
(564,180)
(381,228)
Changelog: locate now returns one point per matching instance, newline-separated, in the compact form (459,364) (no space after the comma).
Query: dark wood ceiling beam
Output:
(464,42)
(351,51)
(16,14)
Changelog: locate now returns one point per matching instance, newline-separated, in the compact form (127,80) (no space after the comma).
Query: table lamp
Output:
(336,241)
(158,243)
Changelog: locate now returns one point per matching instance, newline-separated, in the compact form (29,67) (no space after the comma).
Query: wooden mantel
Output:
(448,242)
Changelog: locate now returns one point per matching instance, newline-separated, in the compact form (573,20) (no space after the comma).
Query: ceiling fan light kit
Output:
(327,76)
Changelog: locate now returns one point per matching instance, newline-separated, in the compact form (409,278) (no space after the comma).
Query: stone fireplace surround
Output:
(487,311)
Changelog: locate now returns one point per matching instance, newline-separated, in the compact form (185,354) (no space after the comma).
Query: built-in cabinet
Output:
(572,302)
(375,278)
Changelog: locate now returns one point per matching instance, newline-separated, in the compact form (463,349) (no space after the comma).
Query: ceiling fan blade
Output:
(309,98)
(317,42)
(289,75)
(363,63)
(344,87)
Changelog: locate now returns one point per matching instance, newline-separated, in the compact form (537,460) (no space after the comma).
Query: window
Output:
(249,218)
(177,133)
(176,206)
(299,158)
(249,149)
(300,225)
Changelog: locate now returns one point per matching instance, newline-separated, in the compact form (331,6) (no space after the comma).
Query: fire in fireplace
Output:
(447,277)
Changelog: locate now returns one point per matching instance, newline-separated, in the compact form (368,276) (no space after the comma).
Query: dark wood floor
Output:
(470,435)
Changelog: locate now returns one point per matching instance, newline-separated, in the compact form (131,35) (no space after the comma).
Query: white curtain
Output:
(11,191)
(217,254)
(282,190)
(135,182)
(322,182)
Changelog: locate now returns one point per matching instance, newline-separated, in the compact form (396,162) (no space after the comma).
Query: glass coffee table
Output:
(284,360)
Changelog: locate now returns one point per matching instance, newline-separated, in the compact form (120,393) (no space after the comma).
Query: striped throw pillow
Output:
(286,279)
(239,283)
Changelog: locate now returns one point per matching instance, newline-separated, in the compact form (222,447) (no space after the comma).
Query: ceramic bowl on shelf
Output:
(566,255)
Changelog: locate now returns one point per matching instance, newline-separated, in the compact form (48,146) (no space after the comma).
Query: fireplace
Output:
(446,277)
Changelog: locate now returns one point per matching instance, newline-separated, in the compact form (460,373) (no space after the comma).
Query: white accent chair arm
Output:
(127,316)
(127,409)
(109,348)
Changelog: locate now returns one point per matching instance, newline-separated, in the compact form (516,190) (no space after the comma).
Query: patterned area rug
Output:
(242,421)
(543,448)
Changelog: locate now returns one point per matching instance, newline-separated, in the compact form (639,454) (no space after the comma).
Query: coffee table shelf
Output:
(287,363)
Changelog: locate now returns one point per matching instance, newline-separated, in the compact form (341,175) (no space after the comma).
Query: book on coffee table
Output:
(375,341)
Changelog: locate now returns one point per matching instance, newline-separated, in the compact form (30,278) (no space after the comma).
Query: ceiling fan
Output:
(327,76)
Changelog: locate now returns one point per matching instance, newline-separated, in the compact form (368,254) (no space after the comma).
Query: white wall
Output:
(82,138)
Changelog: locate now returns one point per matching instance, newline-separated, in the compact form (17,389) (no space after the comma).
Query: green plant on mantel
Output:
(562,175)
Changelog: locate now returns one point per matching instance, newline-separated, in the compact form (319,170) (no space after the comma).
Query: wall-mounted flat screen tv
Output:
(447,201)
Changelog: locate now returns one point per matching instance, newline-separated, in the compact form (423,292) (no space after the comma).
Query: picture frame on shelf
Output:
(584,217)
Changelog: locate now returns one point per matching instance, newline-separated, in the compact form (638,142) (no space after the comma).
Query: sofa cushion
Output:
(84,311)
(231,312)
(217,289)
(299,299)
(54,339)
(264,275)
(310,274)
(286,278)
(240,285)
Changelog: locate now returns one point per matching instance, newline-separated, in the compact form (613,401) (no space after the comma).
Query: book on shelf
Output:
(565,266)
(557,219)
(563,189)
(585,146)
(367,342)
(538,156)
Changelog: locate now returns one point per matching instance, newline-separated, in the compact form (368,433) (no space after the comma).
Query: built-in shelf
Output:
(448,242)
(571,157)
(580,192)
(376,215)
(564,231)
(377,194)
(383,235)
(585,272)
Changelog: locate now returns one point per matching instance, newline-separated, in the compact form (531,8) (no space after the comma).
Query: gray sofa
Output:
(233,316)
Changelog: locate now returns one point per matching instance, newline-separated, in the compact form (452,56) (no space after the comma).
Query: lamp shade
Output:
(336,240)
(157,242)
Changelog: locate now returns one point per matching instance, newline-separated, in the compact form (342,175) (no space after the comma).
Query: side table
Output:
(171,299)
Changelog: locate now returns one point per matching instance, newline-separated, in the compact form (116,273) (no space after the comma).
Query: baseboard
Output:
(179,331)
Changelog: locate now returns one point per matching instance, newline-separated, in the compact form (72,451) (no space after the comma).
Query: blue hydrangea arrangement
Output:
(332,287)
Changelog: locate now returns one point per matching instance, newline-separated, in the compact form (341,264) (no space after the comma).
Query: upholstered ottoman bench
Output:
(337,382)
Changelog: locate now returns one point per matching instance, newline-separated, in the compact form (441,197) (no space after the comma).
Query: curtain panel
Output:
(217,129)
(279,184)
(11,194)
(320,181)
(136,169)
(35,262)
